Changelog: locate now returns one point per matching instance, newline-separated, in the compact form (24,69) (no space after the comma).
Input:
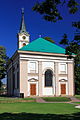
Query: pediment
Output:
(63,80)
(32,80)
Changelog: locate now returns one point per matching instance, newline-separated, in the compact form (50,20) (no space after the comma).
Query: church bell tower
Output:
(23,35)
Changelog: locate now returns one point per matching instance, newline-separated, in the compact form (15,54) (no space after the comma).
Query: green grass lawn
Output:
(52,108)
(14,100)
(10,98)
(76,102)
(38,111)
(77,96)
(56,99)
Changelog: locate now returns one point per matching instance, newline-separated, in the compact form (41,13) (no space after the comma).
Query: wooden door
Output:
(32,89)
(63,88)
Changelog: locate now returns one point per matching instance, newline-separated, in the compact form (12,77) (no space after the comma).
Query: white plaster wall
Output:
(48,64)
(27,37)
(64,77)
(20,44)
(23,77)
(48,91)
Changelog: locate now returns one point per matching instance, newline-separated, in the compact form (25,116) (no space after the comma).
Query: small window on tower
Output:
(24,37)
(24,44)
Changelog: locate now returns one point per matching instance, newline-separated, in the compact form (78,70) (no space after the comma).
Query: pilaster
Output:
(71,78)
(56,79)
(40,78)
(24,77)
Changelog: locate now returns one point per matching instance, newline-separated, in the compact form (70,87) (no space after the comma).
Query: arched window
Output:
(48,78)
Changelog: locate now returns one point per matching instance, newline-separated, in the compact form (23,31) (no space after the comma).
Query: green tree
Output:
(74,47)
(49,8)
(49,39)
(3,60)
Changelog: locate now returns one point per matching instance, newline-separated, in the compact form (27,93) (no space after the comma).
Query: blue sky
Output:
(10,18)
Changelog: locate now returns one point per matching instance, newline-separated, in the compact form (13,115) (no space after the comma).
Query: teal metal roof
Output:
(42,45)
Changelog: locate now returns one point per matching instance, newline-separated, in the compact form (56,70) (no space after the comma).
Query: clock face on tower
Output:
(24,37)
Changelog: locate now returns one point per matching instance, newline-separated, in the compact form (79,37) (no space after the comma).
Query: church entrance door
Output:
(32,89)
(63,89)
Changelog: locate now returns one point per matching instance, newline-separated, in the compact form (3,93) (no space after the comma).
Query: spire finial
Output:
(22,26)
(22,10)
(40,36)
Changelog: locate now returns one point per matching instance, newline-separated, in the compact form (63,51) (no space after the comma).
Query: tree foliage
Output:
(74,47)
(64,40)
(49,8)
(3,60)
(49,39)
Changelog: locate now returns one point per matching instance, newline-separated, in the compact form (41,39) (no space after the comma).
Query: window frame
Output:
(63,71)
(33,70)
(51,82)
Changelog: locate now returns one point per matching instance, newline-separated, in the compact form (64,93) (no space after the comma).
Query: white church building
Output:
(39,68)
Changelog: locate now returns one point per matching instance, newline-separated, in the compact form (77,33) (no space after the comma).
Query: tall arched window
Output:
(48,78)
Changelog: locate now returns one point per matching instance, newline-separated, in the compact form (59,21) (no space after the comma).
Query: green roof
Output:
(42,45)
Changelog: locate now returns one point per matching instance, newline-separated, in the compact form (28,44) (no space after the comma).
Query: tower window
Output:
(24,44)
(24,37)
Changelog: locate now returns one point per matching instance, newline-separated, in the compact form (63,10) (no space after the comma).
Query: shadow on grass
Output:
(34,116)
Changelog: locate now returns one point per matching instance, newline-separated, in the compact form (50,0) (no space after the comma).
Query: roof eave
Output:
(41,53)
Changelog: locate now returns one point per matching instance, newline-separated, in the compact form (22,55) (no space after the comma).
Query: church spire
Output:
(23,35)
(23,26)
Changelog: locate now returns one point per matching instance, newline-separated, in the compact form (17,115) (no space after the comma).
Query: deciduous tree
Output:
(49,8)
(49,39)
(74,47)
(3,60)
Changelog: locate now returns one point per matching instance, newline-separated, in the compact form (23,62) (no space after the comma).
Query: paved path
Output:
(40,100)
(73,99)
